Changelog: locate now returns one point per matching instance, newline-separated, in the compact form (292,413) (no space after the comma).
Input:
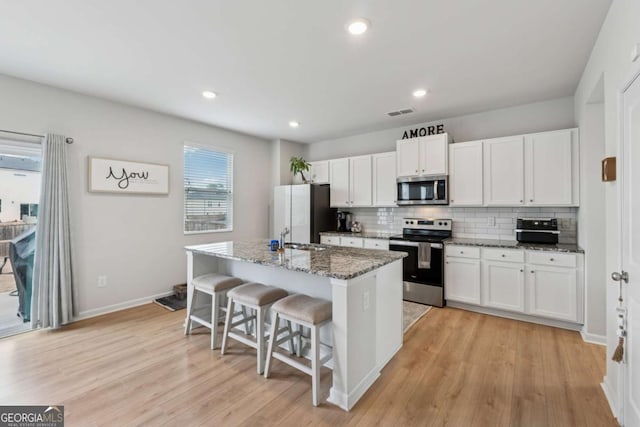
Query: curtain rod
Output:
(69,140)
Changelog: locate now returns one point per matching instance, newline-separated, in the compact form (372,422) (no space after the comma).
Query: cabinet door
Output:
(379,244)
(465,174)
(462,280)
(352,242)
(360,181)
(433,154)
(551,292)
(504,171)
(408,152)
(330,240)
(549,168)
(503,285)
(384,179)
(319,172)
(339,181)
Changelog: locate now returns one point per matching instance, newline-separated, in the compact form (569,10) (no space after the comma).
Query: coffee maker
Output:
(343,221)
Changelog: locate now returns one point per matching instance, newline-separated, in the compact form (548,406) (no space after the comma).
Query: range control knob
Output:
(440,223)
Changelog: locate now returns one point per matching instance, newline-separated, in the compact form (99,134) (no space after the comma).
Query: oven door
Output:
(411,271)
(422,191)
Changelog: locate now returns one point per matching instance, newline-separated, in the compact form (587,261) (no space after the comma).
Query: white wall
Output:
(136,241)
(16,187)
(610,57)
(539,116)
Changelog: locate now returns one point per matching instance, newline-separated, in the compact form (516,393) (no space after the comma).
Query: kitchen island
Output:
(364,286)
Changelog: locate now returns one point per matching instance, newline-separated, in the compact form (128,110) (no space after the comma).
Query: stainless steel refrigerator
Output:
(304,210)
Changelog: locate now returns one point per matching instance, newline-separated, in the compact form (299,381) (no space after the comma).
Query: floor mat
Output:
(172,303)
(412,312)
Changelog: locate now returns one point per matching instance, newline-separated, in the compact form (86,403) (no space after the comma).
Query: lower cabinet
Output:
(538,283)
(462,280)
(355,242)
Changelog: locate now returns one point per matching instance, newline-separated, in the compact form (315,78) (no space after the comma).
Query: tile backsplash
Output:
(478,223)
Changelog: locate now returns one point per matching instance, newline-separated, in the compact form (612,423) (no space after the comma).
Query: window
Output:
(28,209)
(208,190)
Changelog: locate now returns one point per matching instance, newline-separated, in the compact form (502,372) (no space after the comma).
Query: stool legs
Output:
(215,315)
(187,328)
(315,364)
(260,339)
(227,324)
(272,339)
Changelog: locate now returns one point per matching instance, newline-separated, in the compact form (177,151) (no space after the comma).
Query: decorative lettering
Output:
(423,131)
(123,179)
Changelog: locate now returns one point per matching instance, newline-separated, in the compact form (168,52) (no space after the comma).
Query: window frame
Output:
(231,209)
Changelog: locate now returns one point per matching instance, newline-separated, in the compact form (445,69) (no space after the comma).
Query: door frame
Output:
(632,76)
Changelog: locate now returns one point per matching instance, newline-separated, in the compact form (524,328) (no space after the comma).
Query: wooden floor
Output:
(456,368)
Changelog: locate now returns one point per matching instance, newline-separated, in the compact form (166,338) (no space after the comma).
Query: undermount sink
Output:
(304,247)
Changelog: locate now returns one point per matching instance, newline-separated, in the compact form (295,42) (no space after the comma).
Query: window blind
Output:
(208,190)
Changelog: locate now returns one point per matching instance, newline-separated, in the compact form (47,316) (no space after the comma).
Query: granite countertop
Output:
(334,261)
(382,235)
(513,244)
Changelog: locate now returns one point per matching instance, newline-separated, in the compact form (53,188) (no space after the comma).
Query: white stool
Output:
(258,297)
(216,285)
(308,312)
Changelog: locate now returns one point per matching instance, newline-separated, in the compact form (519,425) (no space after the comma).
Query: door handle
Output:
(621,276)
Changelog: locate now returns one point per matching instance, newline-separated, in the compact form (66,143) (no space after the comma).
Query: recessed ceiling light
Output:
(419,93)
(358,26)
(209,95)
(294,124)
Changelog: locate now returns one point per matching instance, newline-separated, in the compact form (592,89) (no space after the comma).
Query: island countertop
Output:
(332,261)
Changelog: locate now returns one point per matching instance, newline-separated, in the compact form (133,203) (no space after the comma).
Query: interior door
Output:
(630,237)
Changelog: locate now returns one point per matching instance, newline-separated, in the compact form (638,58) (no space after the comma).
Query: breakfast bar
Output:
(364,286)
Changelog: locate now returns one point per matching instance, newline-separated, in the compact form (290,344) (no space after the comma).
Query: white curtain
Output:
(53,297)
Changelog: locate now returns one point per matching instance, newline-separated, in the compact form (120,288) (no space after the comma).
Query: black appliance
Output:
(537,230)
(420,190)
(21,255)
(423,268)
(343,221)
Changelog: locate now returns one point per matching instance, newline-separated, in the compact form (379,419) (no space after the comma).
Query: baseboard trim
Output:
(593,338)
(348,401)
(609,395)
(120,306)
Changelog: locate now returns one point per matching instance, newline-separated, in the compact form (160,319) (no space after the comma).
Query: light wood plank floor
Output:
(456,368)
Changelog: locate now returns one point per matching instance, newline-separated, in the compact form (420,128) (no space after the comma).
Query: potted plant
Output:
(299,166)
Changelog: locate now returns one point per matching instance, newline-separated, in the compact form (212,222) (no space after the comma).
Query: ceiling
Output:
(279,60)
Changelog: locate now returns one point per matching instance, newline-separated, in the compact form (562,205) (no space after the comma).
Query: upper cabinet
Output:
(350,181)
(426,155)
(550,168)
(465,179)
(504,171)
(319,172)
(384,179)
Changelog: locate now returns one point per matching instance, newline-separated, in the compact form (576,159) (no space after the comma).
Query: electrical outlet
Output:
(491,221)
(365,301)
(102,281)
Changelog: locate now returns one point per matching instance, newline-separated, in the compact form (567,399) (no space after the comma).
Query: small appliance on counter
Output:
(343,221)
(537,230)
(356,227)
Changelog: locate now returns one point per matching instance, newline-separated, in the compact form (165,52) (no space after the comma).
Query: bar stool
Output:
(216,285)
(259,298)
(308,312)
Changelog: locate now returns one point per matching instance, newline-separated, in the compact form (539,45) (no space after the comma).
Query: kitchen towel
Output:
(424,256)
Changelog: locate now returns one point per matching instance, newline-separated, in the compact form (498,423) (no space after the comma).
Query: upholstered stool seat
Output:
(259,298)
(307,312)
(217,286)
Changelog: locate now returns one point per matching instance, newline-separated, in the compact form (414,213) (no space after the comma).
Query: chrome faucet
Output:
(283,233)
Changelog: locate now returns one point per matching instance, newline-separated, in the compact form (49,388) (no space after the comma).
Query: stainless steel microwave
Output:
(422,190)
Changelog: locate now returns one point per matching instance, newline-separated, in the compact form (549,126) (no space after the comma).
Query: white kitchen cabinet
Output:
(426,155)
(352,242)
(552,292)
(384,179)
(549,168)
(350,181)
(503,285)
(504,171)
(319,172)
(360,182)
(462,280)
(339,180)
(381,244)
(466,179)
(330,240)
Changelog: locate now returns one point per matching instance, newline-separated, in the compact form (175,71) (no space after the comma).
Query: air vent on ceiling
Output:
(400,112)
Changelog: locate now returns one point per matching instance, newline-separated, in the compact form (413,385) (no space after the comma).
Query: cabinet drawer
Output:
(352,242)
(552,258)
(507,255)
(463,251)
(376,244)
(330,240)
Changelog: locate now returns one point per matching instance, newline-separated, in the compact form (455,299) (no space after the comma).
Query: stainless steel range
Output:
(423,269)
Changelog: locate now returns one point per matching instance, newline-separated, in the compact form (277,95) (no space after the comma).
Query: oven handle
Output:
(414,244)
(519,230)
